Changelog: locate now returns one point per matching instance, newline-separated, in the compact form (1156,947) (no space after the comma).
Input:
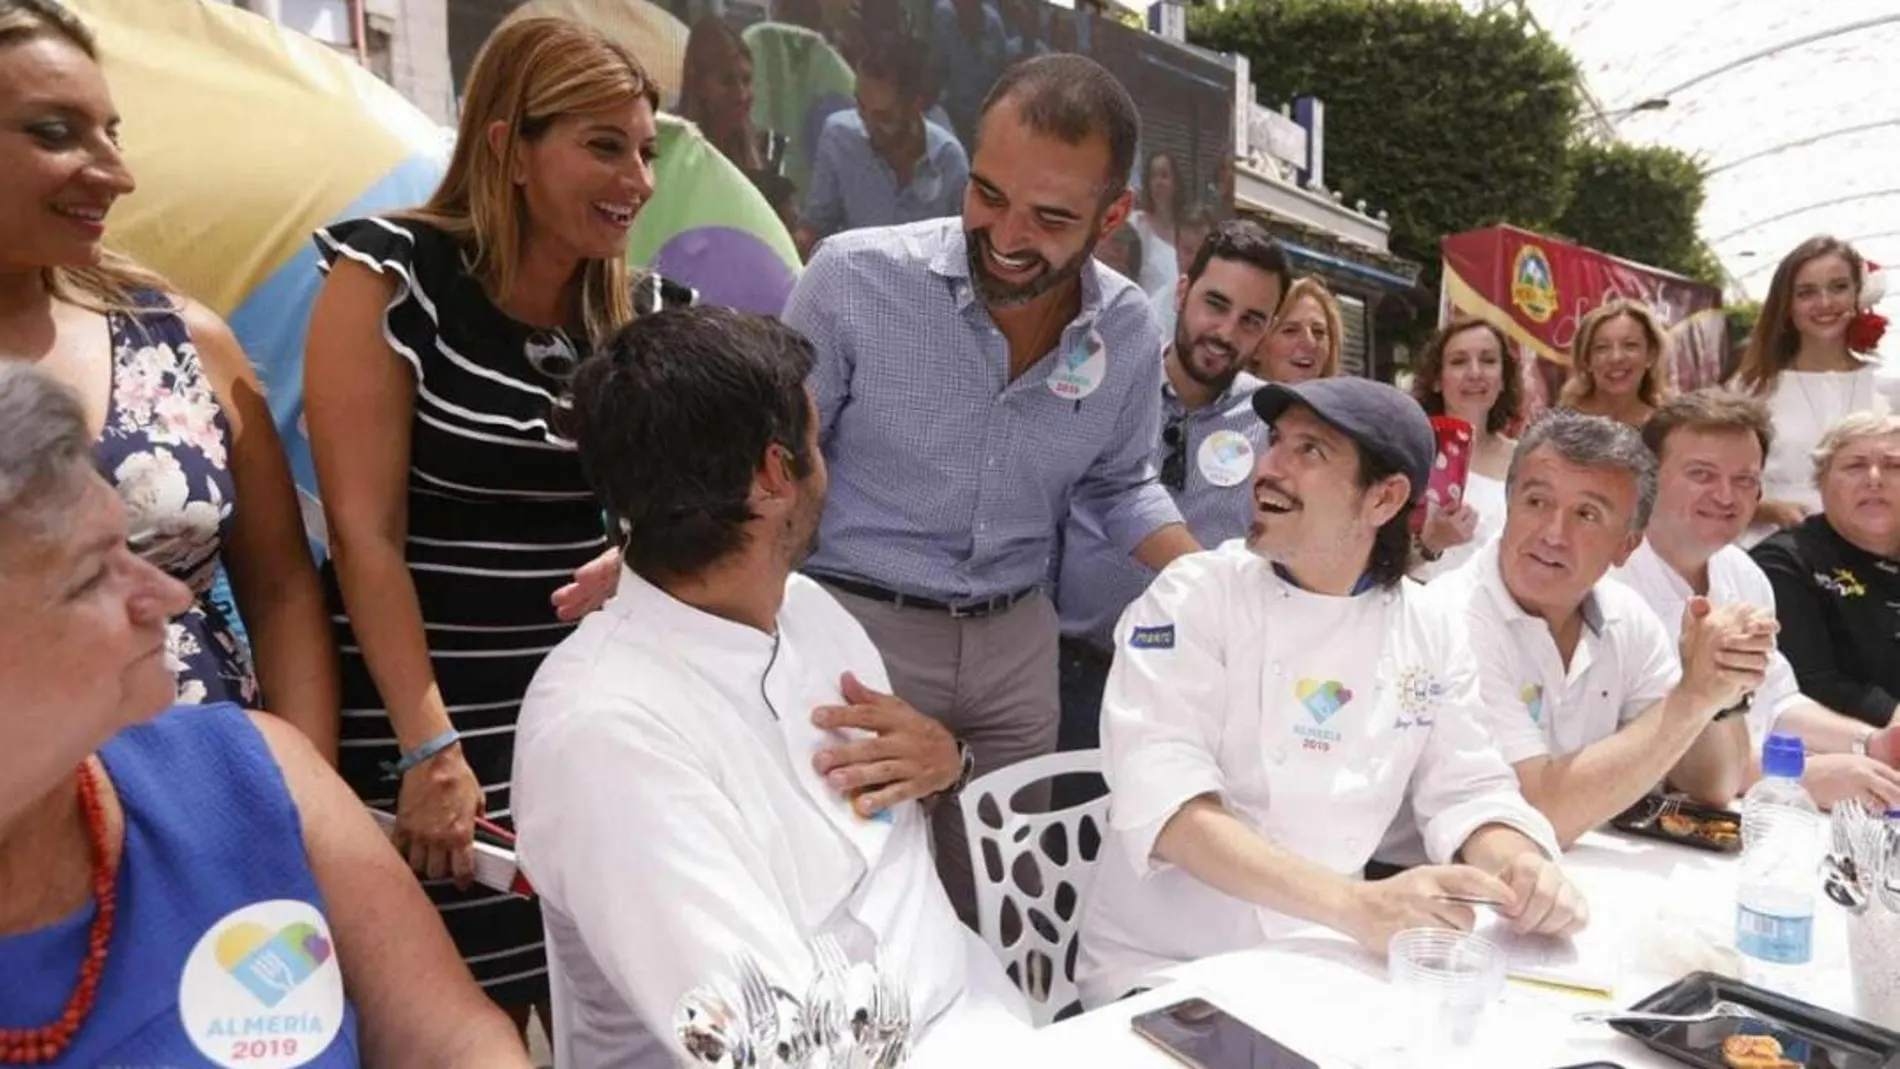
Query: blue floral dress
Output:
(166,448)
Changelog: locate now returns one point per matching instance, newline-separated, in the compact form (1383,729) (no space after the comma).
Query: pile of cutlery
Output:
(850,1016)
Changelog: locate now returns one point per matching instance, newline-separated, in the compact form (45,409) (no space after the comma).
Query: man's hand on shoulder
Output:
(908,755)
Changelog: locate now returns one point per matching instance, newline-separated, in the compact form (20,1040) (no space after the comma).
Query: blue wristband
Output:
(409,760)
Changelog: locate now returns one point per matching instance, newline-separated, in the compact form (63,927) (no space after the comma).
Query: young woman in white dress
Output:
(1802,361)
(1158,208)
(1469,372)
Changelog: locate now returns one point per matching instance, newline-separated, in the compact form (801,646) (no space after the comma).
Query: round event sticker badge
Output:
(261,989)
(1225,458)
(1079,370)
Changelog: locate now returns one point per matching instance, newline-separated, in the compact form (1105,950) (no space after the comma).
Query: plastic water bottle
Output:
(1781,854)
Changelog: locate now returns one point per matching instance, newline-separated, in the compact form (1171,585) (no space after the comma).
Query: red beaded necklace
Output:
(37,1046)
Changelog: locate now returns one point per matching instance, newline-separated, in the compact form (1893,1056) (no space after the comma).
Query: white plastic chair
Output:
(1033,873)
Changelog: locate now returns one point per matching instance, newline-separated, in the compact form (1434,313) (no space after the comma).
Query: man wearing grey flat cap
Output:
(1275,701)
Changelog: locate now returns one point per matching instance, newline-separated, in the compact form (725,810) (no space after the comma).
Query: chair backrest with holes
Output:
(1033,873)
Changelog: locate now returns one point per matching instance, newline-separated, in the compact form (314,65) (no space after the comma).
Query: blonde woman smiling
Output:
(1618,364)
(439,347)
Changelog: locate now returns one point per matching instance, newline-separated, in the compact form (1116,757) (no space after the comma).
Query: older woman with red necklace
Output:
(192,888)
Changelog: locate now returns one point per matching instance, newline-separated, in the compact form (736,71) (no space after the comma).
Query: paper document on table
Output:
(1588,961)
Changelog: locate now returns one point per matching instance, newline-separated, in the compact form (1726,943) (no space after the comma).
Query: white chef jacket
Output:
(1734,578)
(669,815)
(1624,663)
(1311,717)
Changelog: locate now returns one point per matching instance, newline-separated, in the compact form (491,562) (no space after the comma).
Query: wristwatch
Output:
(1426,555)
(1859,745)
(966,771)
(1737,709)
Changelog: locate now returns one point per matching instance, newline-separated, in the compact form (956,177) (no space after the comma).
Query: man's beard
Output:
(801,531)
(890,142)
(1184,348)
(999,294)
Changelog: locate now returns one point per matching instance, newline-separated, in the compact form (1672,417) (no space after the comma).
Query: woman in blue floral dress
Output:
(183,429)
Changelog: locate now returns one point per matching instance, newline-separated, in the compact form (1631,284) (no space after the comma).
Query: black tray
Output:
(1810,1036)
(1636,821)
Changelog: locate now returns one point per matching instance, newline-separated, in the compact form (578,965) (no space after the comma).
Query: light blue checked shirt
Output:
(853,187)
(1096,582)
(948,481)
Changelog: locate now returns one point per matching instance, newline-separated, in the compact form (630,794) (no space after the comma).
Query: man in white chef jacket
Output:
(682,787)
(1274,701)
(1585,692)
(1710,446)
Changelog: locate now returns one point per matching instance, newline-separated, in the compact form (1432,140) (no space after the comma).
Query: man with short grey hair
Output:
(1580,682)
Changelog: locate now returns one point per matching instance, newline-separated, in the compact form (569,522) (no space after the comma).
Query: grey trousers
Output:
(991,680)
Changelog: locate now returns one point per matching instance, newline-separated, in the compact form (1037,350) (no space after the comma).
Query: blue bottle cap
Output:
(1784,756)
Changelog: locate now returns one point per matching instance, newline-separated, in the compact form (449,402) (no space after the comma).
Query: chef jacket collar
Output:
(1365,583)
(657,612)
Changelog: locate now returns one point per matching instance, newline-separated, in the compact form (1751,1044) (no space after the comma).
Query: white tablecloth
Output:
(1316,992)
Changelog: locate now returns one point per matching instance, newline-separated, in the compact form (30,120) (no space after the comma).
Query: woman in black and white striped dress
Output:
(438,346)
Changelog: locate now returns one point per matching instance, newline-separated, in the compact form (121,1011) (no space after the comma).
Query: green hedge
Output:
(1451,120)
(1447,120)
(1640,202)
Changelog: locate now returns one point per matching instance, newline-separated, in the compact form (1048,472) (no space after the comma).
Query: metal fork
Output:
(1667,807)
(759,1005)
(1716,1011)
(893,1019)
(824,1003)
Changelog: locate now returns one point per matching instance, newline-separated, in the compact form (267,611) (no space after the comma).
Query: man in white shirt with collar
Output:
(1274,702)
(1583,688)
(683,788)
(1710,446)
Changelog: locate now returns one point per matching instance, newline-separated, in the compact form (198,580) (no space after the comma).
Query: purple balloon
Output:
(728,267)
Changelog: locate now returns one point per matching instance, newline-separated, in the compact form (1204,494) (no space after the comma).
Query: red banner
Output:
(1538,289)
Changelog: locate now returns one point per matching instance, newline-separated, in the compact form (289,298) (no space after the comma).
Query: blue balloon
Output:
(728,267)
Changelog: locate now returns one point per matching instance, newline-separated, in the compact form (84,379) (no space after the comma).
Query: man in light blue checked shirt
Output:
(883,162)
(1205,452)
(974,377)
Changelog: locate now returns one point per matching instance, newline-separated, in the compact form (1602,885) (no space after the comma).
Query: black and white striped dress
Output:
(499,517)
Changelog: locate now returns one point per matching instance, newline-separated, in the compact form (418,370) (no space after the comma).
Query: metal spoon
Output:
(860,1013)
(792,1043)
(1886,874)
(710,1029)
(1717,1011)
(1840,885)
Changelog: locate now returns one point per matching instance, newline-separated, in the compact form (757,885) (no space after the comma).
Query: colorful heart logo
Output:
(1322,698)
(1532,695)
(272,964)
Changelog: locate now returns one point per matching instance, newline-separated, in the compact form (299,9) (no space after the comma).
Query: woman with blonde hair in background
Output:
(1799,361)
(1618,364)
(1304,341)
(179,424)
(1469,372)
(439,347)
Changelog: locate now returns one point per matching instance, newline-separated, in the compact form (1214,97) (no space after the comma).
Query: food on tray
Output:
(1755,1052)
(1722,831)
